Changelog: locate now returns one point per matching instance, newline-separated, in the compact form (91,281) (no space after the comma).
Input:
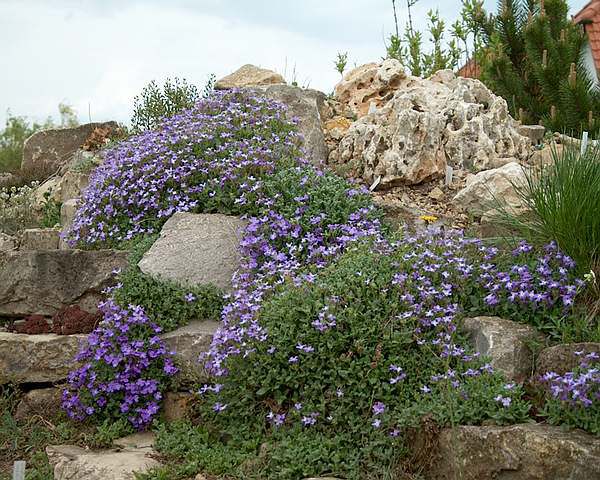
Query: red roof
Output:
(590,17)
(470,69)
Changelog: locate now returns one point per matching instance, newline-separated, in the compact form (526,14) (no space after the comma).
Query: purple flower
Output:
(378,408)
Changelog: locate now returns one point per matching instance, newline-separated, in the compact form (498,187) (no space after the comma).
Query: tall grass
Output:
(563,199)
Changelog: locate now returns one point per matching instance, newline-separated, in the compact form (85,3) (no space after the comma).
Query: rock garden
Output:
(278,284)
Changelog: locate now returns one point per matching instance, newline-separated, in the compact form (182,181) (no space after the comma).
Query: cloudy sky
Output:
(96,55)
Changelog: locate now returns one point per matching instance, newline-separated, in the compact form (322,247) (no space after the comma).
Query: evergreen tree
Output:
(533,59)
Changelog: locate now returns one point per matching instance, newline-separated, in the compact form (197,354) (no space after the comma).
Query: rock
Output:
(7,242)
(6,179)
(45,402)
(427,124)
(546,155)
(40,239)
(55,147)
(196,249)
(517,452)
(188,343)
(44,282)
(505,342)
(67,212)
(437,194)
(176,406)
(47,191)
(136,440)
(535,133)
(75,463)
(305,105)
(370,84)
(247,76)
(37,358)
(561,358)
(486,189)
(336,127)
(72,184)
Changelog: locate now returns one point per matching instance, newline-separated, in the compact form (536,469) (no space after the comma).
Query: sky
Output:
(96,55)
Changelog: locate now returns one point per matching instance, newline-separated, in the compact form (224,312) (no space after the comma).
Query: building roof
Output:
(589,16)
(470,69)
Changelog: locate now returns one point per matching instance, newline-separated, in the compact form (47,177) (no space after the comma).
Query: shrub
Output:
(574,397)
(154,104)
(17,209)
(563,199)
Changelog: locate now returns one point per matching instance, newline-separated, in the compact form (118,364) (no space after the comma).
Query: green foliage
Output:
(155,103)
(50,212)
(563,199)
(340,62)
(165,301)
(533,58)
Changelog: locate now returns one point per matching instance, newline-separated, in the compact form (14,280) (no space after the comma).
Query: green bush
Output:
(563,202)
(156,103)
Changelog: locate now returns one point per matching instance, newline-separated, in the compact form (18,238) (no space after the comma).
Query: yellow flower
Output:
(428,218)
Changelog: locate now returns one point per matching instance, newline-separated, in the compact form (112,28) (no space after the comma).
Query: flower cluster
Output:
(580,388)
(208,158)
(124,368)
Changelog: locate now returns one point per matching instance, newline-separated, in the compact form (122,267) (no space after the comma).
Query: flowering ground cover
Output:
(339,337)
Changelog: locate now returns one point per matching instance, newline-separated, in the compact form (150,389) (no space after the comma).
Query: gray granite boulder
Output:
(196,249)
(505,342)
(43,282)
(517,452)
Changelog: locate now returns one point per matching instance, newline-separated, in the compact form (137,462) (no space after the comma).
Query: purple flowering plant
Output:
(124,369)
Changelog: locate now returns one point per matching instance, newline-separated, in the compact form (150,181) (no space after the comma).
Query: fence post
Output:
(584,142)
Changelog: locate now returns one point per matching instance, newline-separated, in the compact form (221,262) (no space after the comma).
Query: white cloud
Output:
(101,53)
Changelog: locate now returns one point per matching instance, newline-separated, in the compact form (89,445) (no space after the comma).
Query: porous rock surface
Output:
(517,452)
(55,147)
(249,75)
(43,282)
(428,124)
(37,358)
(488,190)
(505,342)
(196,249)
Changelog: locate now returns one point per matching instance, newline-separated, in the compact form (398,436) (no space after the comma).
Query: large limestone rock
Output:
(45,402)
(72,184)
(7,242)
(518,452)
(37,358)
(196,249)
(75,463)
(188,343)
(505,342)
(487,190)
(40,239)
(562,358)
(55,147)
(370,84)
(247,76)
(43,282)
(427,125)
(306,105)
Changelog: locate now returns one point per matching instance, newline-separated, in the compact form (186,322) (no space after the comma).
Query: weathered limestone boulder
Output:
(336,127)
(67,212)
(562,358)
(47,191)
(546,155)
(196,249)
(7,242)
(247,76)
(40,239)
(505,342)
(43,282)
(42,401)
(37,358)
(72,184)
(55,147)
(188,343)
(177,405)
(485,190)
(535,133)
(517,452)
(370,84)
(306,105)
(75,463)
(427,124)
